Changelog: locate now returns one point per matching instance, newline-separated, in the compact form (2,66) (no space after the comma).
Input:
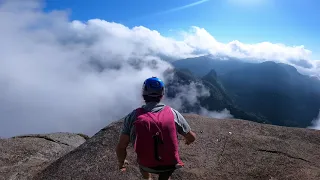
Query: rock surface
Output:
(224,149)
(22,157)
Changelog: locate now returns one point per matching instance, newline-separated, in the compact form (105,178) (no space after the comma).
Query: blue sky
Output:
(292,22)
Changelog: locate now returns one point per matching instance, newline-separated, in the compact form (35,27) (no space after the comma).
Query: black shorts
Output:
(159,169)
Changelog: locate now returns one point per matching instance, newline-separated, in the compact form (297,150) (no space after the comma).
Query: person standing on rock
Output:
(153,130)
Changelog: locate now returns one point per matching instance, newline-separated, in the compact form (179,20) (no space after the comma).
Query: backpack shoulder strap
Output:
(139,111)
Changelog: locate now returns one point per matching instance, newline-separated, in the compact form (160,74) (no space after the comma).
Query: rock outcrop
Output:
(22,157)
(224,149)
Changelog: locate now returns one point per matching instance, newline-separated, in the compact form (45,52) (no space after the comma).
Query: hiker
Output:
(153,129)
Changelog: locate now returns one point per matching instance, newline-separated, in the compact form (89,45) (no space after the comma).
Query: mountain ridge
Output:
(277,92)
(217,100)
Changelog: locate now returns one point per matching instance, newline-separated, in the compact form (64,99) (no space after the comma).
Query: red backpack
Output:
(156,142)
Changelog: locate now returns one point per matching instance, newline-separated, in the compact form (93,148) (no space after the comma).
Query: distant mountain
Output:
(216,101)
(281,94)
(200,66)
(276,91)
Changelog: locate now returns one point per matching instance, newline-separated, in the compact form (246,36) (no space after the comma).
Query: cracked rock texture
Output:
(224,149)
(22,157)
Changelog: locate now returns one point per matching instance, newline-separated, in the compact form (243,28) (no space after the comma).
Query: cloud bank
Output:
(187,94)
(62,75)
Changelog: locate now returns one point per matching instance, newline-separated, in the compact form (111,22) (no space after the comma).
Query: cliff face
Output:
(224,149)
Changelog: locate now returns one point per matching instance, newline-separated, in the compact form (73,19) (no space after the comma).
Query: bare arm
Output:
(183,127)
(121,149)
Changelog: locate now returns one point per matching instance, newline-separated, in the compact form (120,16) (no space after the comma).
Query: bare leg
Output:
(165,175)
(145,175)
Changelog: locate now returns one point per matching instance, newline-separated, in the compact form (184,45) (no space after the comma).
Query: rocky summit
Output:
(224,149)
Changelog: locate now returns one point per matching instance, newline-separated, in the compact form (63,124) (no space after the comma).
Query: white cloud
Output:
(187,94)
(298,56)
(224,114)
(52,76)
(46,80)
(199,38)
(316,123)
